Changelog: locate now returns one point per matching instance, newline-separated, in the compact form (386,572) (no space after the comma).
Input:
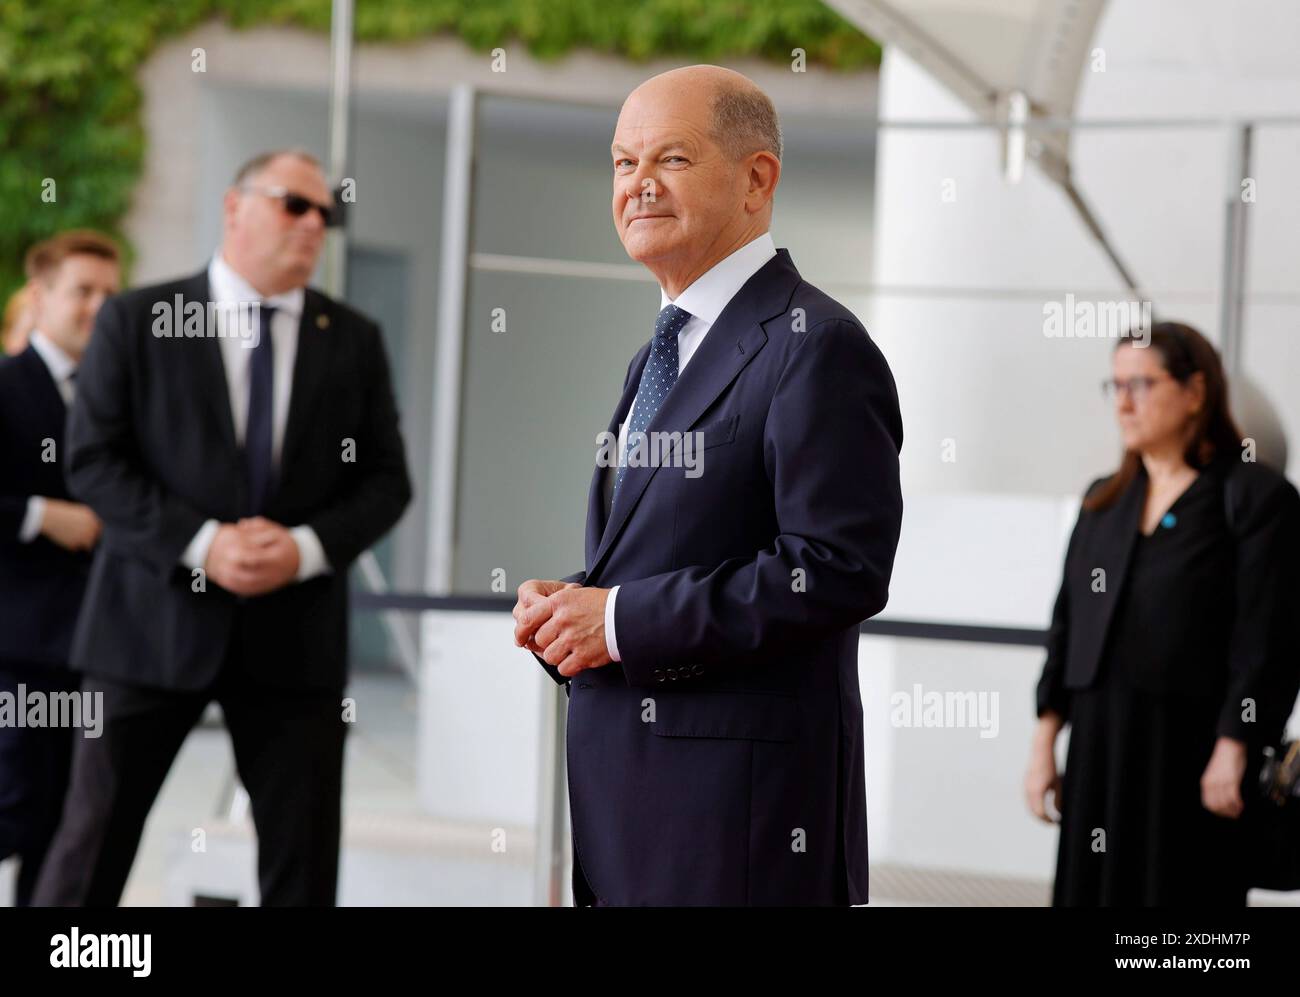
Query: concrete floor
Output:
(396,854)
(379,779)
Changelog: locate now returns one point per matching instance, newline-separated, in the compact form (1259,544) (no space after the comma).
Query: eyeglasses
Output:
(296,204)
(1137,387)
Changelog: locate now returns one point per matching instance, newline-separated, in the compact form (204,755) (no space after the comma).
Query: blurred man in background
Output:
(236,432)
(45,537)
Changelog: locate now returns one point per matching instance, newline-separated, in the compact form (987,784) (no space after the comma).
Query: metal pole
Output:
(1233,284)
(457,196)
(457,202)
(551,854)
(340,109)
(336,262)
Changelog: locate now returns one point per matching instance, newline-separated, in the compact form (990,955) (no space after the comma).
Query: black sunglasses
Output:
(296,204)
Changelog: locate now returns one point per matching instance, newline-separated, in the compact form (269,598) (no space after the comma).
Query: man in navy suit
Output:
(45,537)
(709,648)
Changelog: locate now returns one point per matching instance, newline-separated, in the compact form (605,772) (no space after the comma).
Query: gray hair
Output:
(263,159)
(744,122)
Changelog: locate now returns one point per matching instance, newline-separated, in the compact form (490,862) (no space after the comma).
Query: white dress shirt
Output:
(231,292)
(705,299)
(62,369)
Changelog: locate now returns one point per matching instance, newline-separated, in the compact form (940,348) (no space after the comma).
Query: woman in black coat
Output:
(1171,654)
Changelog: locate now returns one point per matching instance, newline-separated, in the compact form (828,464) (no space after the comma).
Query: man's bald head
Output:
(697,157)
(741,118)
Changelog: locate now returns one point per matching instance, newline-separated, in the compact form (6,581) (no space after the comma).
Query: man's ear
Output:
(229,203)
(36,291)
(764,172)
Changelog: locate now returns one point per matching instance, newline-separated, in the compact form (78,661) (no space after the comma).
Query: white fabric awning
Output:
(1010,62)
(986,51)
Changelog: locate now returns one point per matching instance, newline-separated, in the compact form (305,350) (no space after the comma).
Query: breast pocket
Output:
(692,455)
(715,434)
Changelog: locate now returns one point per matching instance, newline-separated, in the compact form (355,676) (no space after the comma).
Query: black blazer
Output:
(152,450)
(741,591)
(41,584)
(1240,641)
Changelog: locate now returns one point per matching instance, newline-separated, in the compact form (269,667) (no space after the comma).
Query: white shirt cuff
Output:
(611,639)
(196,554)
(311,555)
(30,528)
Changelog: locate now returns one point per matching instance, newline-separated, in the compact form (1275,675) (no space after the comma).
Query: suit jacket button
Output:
(697,670)
(659,674)
(672,674)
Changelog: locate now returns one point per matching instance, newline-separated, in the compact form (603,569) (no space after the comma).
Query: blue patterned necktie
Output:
(257,433)
(657,379)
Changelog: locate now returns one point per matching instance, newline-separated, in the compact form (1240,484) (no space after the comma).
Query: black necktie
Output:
(257,435)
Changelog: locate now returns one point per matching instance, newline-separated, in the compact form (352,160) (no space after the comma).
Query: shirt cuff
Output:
(196,554)
(611,638)
(30,528)
(311,555)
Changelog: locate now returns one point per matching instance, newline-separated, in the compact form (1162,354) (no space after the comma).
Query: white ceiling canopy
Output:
(1010,61)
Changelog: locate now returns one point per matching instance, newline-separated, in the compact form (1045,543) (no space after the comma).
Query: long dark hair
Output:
(1184,352)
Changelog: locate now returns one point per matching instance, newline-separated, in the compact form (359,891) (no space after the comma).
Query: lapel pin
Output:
(322,321)
(1169,521)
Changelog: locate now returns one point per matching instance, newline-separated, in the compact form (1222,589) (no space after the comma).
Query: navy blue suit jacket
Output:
(721,761)
(41,584)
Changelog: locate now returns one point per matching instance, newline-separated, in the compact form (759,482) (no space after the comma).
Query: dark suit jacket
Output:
(1255,607)
(721,762)
(153,452)
(41,584)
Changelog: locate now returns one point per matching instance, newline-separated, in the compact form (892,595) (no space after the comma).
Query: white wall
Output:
(960,318)
(969,352)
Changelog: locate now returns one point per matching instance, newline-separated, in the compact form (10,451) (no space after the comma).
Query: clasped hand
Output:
(564,623)
(252,557)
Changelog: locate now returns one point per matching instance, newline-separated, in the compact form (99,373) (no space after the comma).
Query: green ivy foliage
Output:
(70,104)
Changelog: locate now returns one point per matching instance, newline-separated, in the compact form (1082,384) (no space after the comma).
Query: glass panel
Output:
(536,396)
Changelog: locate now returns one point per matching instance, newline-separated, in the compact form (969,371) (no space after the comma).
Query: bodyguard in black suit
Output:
(238,477)
(709,646)
(45,537)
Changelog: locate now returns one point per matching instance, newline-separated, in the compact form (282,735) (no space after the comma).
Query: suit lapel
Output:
(1119,535)
(596,514)
(728,347)
(311,361)
(208,366)
(45,392)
